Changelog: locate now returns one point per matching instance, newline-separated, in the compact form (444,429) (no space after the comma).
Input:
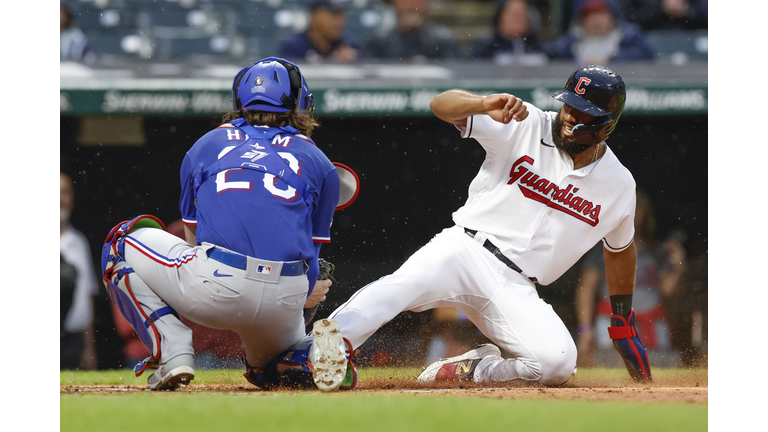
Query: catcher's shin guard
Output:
(263,378)
(117,282)
(627,343)
(143,323)
(289,370)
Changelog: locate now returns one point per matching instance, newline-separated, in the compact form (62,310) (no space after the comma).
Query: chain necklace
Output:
(597,150)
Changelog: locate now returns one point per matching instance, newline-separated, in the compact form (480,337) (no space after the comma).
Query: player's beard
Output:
(567,145)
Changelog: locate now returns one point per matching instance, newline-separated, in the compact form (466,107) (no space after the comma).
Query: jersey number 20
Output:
(222,184)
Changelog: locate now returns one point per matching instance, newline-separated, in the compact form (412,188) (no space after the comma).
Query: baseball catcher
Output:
(257,199)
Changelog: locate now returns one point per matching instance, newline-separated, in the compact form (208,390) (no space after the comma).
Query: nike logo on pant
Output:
(217,274)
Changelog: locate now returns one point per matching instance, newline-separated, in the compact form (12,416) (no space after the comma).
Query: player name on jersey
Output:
(539,189)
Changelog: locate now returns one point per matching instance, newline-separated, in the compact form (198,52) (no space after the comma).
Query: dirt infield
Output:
(692,388)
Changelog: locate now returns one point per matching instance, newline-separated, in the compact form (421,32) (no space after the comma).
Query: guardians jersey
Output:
(534,206)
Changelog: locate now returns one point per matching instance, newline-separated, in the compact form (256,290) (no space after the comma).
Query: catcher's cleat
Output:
(327,356)
(459,368)
(169,376)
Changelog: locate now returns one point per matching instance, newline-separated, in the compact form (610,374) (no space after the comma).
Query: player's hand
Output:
(318,294)
(504,107)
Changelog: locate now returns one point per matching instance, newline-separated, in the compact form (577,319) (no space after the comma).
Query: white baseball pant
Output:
(454,270)
(265,310)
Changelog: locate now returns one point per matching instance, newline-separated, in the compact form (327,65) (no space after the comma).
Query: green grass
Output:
(366,412)
(127,377)
(358,411)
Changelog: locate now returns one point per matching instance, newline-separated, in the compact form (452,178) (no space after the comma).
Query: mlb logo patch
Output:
(264,269)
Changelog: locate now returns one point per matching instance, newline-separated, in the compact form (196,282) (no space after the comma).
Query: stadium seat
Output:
(259,18)
(178,48)
(151,3)
(257,47)
(264,23)
(244,3)
(678,46)
(179,18)
(363,22)
(130,46)
(106,22)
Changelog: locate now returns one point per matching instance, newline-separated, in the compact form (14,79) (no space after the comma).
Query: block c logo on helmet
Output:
(583,80)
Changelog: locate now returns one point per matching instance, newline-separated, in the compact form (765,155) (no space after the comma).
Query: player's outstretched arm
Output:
(455,106)
(620,270)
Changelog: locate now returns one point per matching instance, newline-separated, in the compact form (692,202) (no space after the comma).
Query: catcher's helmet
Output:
(596,91)
(273,85)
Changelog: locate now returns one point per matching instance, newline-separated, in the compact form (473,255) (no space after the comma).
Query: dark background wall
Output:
(414,173)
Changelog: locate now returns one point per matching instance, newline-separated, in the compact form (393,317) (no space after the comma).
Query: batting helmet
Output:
(273,85)
(598,92)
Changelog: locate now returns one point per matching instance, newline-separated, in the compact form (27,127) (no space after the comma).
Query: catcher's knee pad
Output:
(113,250)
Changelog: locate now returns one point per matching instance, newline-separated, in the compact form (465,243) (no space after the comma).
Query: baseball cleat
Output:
(327,356)
(459,368)
(171,375)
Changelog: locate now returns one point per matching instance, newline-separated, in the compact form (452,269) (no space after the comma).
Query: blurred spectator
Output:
(325,40)
(77,287)
(673,14)
(597,36)
(514,39)
(688,313)
(414,36)
(658,277)
(73,42)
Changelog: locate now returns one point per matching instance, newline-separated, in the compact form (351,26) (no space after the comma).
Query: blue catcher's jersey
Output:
(254,212)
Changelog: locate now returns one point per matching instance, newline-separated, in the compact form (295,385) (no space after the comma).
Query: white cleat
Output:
(327,355)
(459,368)
(171,375)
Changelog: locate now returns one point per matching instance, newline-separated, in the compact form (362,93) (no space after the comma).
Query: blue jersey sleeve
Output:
(325,208)
(187,200)
(322,217)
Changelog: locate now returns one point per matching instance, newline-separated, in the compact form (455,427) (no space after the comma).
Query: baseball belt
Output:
(497,253)
(234,259)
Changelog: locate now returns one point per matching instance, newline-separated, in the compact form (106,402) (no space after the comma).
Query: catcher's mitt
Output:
(326,272)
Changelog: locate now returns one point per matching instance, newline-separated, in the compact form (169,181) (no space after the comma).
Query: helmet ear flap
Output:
(294,77)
